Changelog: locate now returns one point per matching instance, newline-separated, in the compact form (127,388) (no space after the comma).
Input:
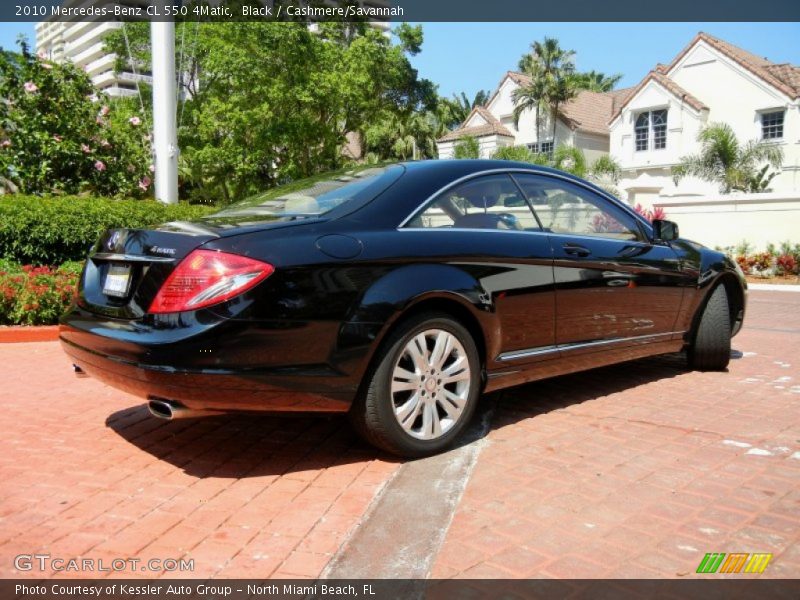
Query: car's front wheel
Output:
(710,349)
(423,388)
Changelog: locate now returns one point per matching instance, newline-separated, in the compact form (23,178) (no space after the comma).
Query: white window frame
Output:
(772,111)
(650,138)
(535,147)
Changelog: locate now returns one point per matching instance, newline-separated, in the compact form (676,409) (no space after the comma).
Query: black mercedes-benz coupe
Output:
(398,293)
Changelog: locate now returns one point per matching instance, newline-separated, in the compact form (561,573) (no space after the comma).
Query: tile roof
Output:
(667,84)
(492,126)
(784,77)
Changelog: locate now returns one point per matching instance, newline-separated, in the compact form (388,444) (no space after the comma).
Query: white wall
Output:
(727,220)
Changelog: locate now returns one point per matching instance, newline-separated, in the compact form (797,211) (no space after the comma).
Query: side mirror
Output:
(665,231)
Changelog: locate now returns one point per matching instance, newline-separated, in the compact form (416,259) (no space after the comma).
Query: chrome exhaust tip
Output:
(169,410)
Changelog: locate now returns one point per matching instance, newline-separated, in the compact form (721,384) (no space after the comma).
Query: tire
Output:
(398,410)
(710,349)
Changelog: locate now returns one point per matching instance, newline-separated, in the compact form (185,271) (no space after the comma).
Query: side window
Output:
(489,202)
(563,207)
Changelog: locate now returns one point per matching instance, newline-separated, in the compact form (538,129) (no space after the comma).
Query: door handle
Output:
(576,250)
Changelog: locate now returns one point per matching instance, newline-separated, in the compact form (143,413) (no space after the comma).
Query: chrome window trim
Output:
(542,350)
(644,226)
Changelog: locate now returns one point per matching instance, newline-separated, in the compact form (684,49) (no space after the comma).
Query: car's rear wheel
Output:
(423,389)
(710,349)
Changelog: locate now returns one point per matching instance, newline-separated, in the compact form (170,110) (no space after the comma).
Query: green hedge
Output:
(51,231)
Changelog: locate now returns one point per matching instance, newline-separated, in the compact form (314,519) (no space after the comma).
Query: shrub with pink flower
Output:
(53,115)
(144,183)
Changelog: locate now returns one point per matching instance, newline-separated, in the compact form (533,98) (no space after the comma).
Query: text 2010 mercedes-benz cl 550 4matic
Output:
(398,293)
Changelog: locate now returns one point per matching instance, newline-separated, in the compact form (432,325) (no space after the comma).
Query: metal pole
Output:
(165,125)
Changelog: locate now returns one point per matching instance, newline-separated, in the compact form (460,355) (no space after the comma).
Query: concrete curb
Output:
(768,287)
(396,538)
(19,334)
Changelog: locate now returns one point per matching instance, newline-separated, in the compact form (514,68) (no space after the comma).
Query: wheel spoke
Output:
(452,411)
(403,380)
(456,366)
(431,427)
(441,349)
(417,349)
(460,376)
(454,399)
(407,412)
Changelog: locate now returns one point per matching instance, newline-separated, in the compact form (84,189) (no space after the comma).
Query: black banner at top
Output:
(401,10)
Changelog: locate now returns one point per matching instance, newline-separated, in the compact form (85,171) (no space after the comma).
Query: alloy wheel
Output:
(430,384)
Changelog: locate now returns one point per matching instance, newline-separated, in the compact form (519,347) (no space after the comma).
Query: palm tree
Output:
(530,96)
(551,70)
(724,160)
(595,81)
(454,111)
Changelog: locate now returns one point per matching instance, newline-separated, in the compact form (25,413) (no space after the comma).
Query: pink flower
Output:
(47,66)
(144,183)
(57,137)
(100,165)
(105,144)
(105,110)
(135,121)
(31,87)
(5,143)
(85,149)
(99,120)
(152,168)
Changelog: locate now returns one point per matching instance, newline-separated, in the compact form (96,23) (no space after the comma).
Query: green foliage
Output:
(48,231)
(467,147)
(518,153)
(56,136)
(570,159)
(724,160)
(268,102)
(597,82)
(35,295)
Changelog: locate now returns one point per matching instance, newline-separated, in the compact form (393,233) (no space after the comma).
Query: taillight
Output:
(207,277)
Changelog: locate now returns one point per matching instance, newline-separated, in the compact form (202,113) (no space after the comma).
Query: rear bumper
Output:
(192,369)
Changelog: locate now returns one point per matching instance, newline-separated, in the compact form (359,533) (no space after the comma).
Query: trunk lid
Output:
(126,267)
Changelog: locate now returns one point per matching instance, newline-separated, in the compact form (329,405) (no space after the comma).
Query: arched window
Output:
(642,129)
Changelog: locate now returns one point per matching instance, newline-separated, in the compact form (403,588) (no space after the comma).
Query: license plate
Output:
(118,281)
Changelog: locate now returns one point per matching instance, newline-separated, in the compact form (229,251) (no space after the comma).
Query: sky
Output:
(472,56)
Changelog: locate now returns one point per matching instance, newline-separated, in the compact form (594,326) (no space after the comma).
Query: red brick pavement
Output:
(86,472)
(640,469)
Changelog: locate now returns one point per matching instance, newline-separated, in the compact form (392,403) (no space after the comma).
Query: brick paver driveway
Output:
(640,469)
(632,470)
(87,472)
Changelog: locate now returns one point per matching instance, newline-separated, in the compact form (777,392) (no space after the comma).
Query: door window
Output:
(489,202)
(565,208)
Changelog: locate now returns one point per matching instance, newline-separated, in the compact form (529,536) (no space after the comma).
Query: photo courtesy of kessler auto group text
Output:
(399,299)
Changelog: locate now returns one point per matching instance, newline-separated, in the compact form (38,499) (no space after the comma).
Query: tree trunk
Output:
(555,120)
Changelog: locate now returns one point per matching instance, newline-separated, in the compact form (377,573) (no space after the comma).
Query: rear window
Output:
(317,195)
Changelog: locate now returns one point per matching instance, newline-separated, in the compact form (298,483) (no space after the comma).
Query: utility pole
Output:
(165,122)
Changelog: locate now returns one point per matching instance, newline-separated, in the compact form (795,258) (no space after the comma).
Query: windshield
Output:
(318,195)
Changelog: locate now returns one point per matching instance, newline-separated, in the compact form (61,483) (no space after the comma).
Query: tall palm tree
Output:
(551,70)
(595,81)
(722,159)
(530,96)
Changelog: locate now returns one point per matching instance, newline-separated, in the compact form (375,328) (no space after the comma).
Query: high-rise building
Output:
(83,42)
